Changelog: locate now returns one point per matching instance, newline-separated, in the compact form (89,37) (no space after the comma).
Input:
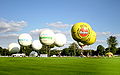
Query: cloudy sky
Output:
(32,16)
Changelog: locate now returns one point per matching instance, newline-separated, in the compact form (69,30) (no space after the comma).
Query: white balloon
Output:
(60,39)
(25,39)
(14,47)
(33,54)
(47,37)
(36,45)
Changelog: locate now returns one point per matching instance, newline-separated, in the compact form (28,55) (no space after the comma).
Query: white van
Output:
(19,55)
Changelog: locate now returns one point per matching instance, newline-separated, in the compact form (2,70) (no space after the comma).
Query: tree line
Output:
(72,50)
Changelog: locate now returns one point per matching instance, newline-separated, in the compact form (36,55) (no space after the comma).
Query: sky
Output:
(32,16)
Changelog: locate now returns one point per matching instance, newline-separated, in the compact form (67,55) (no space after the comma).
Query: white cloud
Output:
(103,33)
(9,35)
(117,35)
(6,39)
(101,41)
(58,24)
(8,31)
(37,31)
(11,26)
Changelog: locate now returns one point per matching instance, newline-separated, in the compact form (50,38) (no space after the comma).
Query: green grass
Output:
(59,66)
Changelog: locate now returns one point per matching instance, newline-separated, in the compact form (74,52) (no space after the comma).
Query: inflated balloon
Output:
(25,39)
(83,34)
(60,39)
(33,54)
(92,38)
(14,47)
(81,31)
(47,37)
(36,45)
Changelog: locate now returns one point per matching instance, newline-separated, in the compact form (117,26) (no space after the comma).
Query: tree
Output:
(43,50)
(26,49)
(65,52)
(107,50)
(1,51)
(100,50)
(72,49)
(118,51)
(113,50)
(78,52)
(46,49)
(54,52)
(94,52)
(4,51)
(112,43)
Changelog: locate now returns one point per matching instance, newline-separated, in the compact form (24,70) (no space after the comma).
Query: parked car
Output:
(19,55)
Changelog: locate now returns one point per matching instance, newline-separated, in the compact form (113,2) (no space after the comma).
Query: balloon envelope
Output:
(36,44)
(47,37)
(92,38)
(60,39)
(14,47)
(33,54)
(83,33)
(25,39)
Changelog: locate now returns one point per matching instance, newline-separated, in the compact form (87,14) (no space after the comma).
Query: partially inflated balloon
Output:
(60,39)
(25,39)
(47,37)
(36,45)
(14,47)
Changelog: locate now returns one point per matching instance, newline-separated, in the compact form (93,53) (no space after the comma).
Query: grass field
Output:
(59,66)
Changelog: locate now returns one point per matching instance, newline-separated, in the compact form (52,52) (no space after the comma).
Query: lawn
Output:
(59,66)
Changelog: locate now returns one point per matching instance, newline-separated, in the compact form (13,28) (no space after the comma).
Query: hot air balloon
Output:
(60,39)
(25,39)
(14,47)
(47,37)
(36,45)
(83,34)
(33,54)
(92,38)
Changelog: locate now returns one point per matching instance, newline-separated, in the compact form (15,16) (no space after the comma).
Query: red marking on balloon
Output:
(83,32)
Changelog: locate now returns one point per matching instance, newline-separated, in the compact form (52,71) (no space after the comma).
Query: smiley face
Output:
(83,32)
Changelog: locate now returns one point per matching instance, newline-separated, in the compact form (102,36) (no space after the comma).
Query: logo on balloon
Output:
(83,32)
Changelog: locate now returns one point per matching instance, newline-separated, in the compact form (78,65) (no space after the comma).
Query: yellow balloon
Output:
(91,38)
(81,31)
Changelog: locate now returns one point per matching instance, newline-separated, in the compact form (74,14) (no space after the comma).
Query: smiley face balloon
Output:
(82,32)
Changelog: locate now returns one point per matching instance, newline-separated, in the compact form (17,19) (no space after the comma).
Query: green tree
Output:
(100,50)
(118,51)
(107,50)
(65,52)
(78,52)
(1,51)
(112,43)
(43,50)
(26,49)
(54,52)
(4,51)
(113,50)
(73,48)
(46,49)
